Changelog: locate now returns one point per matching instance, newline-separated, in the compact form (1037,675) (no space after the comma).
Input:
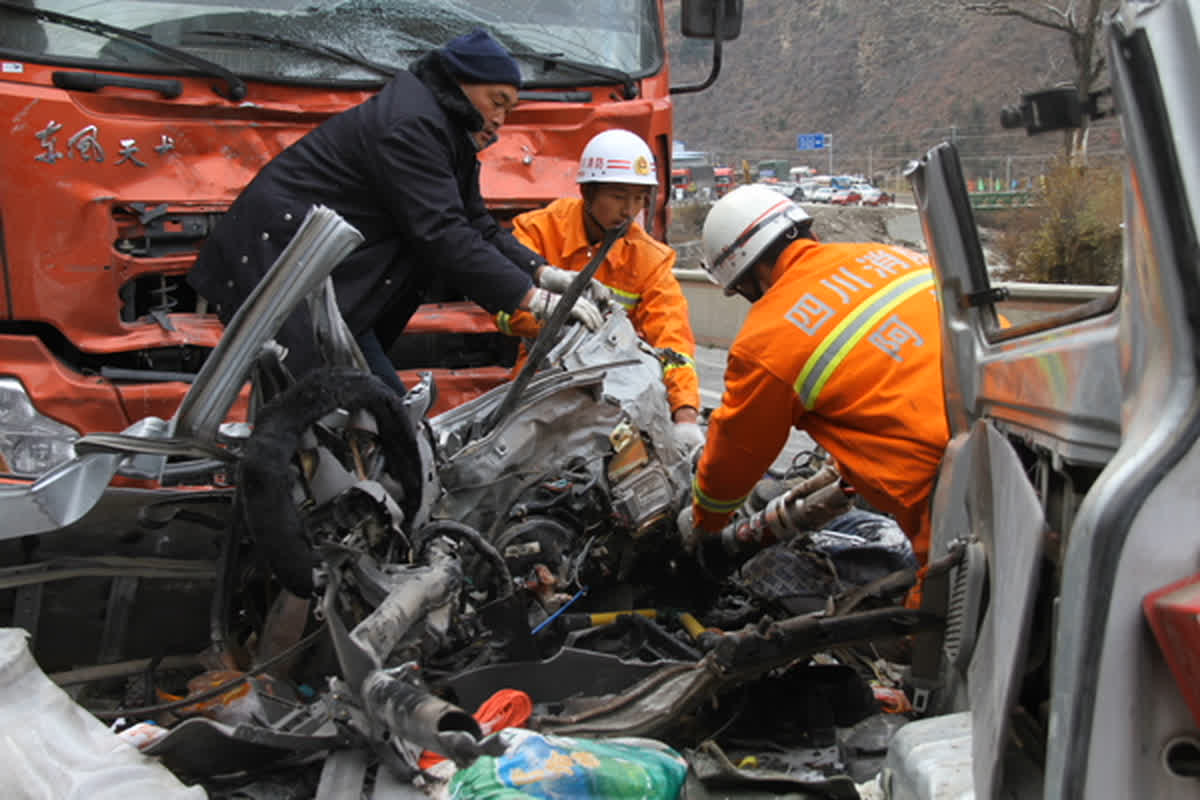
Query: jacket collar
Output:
(432,71)
(574,231)
(790,255)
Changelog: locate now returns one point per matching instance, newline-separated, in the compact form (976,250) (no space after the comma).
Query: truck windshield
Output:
(325,41)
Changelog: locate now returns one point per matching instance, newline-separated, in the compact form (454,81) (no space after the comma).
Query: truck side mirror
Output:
(718,20)
(698,19)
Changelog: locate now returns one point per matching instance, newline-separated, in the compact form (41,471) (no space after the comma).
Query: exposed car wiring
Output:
(218,690)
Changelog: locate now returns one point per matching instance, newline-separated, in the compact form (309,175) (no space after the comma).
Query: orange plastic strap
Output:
(507,708)
(913,598)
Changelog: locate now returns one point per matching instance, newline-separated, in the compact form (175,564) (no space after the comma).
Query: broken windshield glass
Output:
(346,41)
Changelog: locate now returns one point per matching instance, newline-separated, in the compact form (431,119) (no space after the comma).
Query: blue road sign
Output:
(810,141)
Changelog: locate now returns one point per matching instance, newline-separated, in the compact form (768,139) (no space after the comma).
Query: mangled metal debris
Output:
(380,575)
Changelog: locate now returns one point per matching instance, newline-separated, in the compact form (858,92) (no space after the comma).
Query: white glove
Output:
(689,436)
(543,303)
(687,529)
(557,280)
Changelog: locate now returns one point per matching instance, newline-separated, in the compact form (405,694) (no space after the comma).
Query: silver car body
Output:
(1073,467)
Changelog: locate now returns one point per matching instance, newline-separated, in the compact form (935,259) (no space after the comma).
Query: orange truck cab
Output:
(132,125)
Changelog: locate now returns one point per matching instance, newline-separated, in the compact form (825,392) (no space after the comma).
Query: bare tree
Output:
(1080,21)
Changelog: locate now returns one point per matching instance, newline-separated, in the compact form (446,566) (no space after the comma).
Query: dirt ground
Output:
(888,224)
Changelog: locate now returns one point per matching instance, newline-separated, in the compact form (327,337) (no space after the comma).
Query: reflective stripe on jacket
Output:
(846,345)
(639,271)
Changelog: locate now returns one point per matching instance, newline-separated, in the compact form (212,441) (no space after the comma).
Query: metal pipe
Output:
(807,505)
(321,242)
(335,342)
(417,592)
(413,714)
(549,333)
(123,669)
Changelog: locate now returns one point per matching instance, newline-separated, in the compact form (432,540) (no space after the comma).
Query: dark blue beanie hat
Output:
(476,57)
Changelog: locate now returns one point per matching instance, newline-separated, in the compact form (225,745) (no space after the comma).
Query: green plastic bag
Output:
(552,767)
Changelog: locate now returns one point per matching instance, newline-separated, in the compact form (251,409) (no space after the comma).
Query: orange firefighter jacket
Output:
(846,345)
(639,271)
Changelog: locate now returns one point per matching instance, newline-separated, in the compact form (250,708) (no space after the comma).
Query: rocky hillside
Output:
(888,77)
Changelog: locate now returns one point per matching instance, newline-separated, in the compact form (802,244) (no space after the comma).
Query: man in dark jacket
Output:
(402,168)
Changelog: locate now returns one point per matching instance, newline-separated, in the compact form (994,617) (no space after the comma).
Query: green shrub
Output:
(687,220)
(1073,234)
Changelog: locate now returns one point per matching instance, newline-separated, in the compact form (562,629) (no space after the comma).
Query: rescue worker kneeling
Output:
(616,176)
(843,341)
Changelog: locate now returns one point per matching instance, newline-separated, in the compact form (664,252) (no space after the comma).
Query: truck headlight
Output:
(30,443)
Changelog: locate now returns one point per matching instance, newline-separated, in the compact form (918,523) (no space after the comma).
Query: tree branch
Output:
(996,8)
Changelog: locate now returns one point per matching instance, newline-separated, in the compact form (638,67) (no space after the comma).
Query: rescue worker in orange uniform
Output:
(616,175)
(843,341)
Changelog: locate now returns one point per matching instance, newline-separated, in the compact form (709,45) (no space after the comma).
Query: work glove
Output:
(706,548)
(689,436)
(687,529)
(557,280)
(543,303)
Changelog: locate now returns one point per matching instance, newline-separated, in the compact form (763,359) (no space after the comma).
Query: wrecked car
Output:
(373,601)
(1065,666)
(358,582)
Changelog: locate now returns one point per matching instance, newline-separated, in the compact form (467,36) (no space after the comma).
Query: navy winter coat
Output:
(402,168)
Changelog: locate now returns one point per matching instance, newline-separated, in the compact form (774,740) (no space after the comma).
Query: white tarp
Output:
(53,749)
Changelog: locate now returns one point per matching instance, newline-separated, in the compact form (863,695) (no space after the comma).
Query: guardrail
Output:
(688,253)
(1050,294)
(1029,302)
(992,201)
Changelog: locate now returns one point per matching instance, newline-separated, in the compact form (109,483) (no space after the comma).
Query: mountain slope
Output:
(889,77)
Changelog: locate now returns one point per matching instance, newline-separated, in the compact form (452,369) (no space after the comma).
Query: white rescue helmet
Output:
(617,156)
(743,224)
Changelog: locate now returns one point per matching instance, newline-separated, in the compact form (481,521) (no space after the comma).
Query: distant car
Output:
(788,189)
(845,197)
(872,195)
(822,194)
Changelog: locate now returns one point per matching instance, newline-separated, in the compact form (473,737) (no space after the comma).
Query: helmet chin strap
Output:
(604,230)
(750,287)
